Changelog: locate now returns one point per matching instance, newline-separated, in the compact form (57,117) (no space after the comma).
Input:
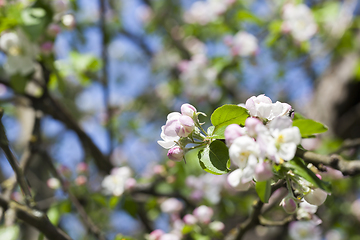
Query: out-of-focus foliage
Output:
(102,75)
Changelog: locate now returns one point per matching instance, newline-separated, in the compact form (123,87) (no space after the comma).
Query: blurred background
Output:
(114,69)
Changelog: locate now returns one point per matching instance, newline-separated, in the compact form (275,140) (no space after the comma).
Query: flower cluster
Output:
(199,219)
(208,11)
(298,21)
(256,146)
(197,77)
(178,125)
(242,44)
(118,181)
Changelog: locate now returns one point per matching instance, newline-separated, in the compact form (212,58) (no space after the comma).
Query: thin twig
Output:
(4,144)
(35,218)
(347,167)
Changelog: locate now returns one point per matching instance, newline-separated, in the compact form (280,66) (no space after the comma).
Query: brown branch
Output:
(348,168)
(35,218)
(254,218)
(80,209)
(349,143)
(49,105)
(20,177)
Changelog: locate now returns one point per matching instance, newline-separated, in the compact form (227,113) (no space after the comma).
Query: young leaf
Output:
(309,127)
(226,115)
(299,168)
(214,158)
(263,189)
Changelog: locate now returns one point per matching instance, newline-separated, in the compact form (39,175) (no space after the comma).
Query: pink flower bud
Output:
(159,169)
(185,127)
(263,171)
(156,234)
(316,196)
(53,30)
(251,124)
(65,171)
(82,167)
(175,153)
(289,205)
(217,226)
(80,180)
(190,219)
(53,183)
(188,110)
(203,214)
(232,132)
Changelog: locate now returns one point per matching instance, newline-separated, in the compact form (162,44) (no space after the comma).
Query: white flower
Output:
(282,142)
(10,42)
(263,108)
(304,230)
(244,44)
(235,180)
(203,214)
(169,236)
(242,150)
(316,196)
(115,182)
(299,21)
(20,53)
(171,205)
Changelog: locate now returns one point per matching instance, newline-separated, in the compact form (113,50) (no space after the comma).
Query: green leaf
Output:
(298,116)
(214,158)
(114,200)
(263,189)
(309,127)
(298,167)
(226,115)
(18,83)
(54,214)
(243,15)
(130,206)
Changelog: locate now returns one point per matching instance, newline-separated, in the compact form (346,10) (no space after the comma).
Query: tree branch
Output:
(35,218)
(4,145)
(348,168)
(254,218)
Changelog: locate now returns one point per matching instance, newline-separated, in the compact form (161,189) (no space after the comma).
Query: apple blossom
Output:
(171,205)
(188,110)
(190,219)
(299,21)
(263,108)
(216,226)
(53,29)
(169,236)
(244,44)
(251,125)
(115,182)
(203,214)
(232,132)
(175,153)
(289,204)
(235,180)
(156,234)
(316,196)
(263,171)
(53,183)
(243,149)
(304,230)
